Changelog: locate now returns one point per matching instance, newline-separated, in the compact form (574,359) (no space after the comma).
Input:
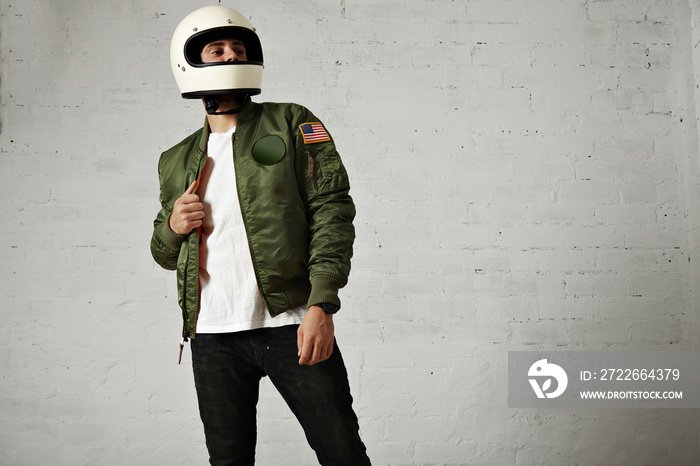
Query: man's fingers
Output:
(300,342)
(315,337)
(311,351)
(192,207)
(305,352)
(308,348)
(302,347)
(317,354)
(188,212)
(192,187)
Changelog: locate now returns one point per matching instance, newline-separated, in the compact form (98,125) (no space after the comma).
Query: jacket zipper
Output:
(245,225)
(185,332)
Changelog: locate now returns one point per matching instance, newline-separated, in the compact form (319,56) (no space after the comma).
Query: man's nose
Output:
(231,55)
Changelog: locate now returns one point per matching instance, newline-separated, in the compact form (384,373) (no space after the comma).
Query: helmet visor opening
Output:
(195,44)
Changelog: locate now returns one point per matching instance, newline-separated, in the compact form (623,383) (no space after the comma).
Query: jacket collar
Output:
(204,137)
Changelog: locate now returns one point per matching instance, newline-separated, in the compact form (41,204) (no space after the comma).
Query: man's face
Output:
(224,50)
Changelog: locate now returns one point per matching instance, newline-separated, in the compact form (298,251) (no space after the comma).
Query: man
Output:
(257,220)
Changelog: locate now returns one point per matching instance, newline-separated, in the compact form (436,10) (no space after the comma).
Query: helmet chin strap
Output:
(212,103)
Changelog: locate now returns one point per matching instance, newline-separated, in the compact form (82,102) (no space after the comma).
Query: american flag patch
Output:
(314,132)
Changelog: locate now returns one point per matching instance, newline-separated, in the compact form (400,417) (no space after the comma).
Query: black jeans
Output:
(227,372)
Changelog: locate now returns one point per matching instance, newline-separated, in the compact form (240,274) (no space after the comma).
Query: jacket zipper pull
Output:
(311,165)
(182,346)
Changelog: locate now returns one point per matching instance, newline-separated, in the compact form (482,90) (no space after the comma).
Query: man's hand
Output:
(315,337)
(188,212)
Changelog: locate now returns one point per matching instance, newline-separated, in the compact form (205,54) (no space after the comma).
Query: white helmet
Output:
(196,79)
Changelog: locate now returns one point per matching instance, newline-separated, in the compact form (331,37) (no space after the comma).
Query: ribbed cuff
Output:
(169,237)
(324,289)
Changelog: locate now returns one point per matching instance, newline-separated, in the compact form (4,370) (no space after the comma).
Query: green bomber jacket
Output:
(294,196)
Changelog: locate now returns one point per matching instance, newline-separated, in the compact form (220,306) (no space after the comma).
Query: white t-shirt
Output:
(230,299)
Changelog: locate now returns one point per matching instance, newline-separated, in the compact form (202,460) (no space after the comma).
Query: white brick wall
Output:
(526,175)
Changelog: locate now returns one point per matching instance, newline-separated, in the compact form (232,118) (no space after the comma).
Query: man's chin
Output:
(228,102)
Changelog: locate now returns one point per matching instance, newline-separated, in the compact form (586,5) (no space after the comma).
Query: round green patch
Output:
(269,149)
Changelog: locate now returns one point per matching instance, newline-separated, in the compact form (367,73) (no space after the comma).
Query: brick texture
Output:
(526,175)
